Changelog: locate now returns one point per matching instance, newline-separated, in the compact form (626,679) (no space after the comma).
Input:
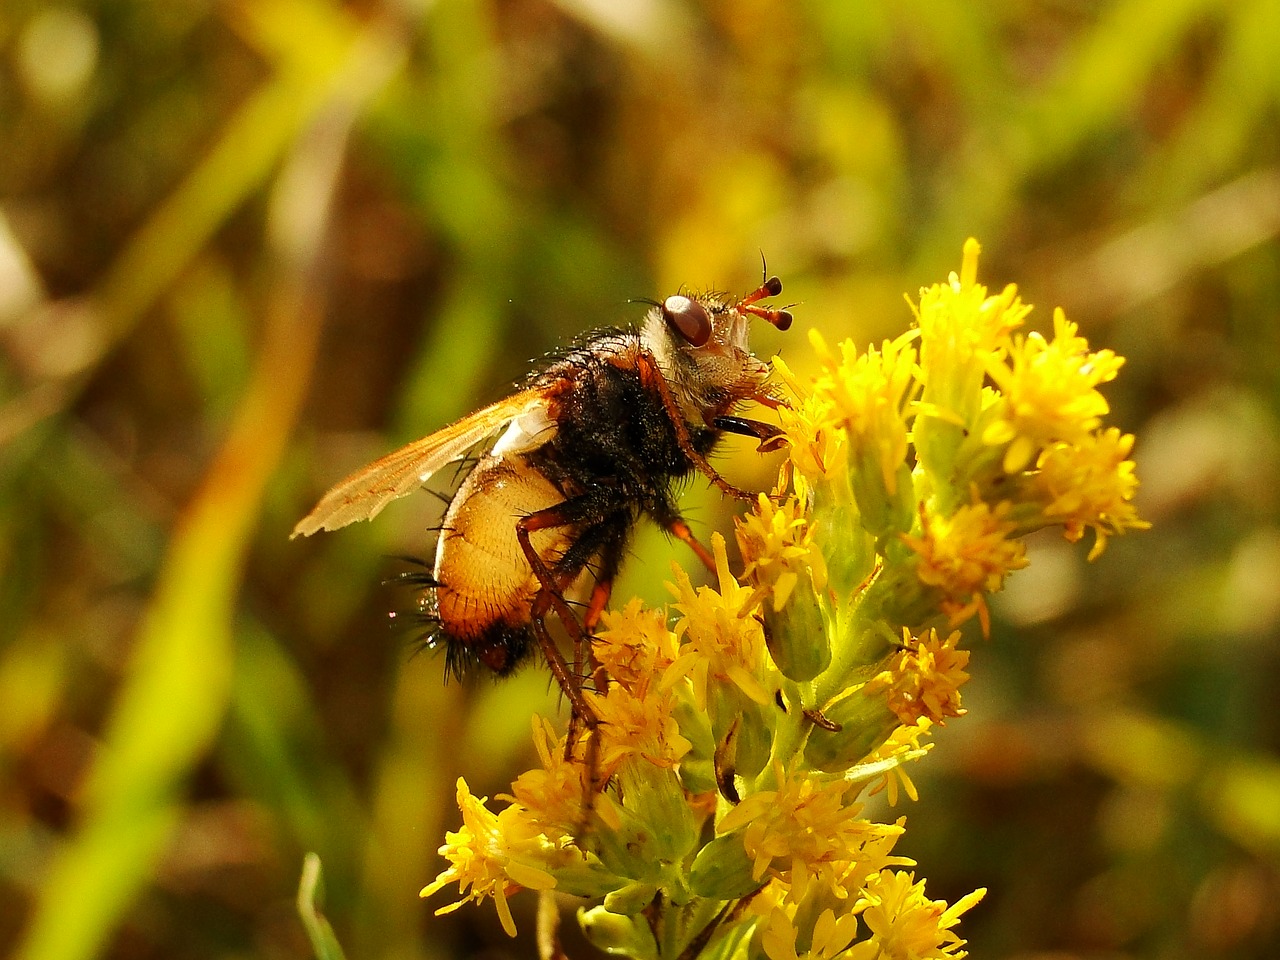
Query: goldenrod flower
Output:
(905,924)
(634,645)
(722,639)
(637,725)
(815,442)
(923,679)
(805,829)
(790,576)
(552,794)
(777,548)
(959,321)
(967,554)
(903,746)
(960,326)
(868,395)
(635,649)
(1090,483)
(829,938)
(493,855)
(1050,392)
(849,430)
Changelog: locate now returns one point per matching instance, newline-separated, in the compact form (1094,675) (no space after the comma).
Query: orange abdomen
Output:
(484,580)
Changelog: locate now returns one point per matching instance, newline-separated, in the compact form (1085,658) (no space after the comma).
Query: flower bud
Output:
(623,936)
(738,716)
(864,721)
(655,825)
(657,799)
(884,511)
(630,899)
(796,635)
(846,548)
(722,870)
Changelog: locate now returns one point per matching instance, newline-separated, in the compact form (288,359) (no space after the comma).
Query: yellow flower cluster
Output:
(850,422)
(1091,483)
(900,923)
(723,642)
(493,854)
(804,830)
(967,555)
(903,922)
(1048,390)
(778,539)
(923,679)
(740,742)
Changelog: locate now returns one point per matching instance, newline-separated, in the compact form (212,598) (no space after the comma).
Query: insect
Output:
(590,443)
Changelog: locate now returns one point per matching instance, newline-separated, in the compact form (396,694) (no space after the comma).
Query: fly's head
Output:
(702,344)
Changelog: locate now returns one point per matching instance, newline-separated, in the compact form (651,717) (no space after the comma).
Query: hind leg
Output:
(550,597)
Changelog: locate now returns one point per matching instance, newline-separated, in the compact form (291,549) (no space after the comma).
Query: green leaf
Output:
(310,893)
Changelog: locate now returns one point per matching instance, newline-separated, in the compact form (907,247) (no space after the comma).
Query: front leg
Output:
(771,437)
(652,377)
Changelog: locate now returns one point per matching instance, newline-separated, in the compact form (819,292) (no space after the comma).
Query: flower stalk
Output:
(742,741)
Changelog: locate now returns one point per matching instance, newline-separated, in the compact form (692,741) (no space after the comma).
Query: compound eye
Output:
(689,318)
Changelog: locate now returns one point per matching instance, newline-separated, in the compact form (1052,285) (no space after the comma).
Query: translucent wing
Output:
(363,494)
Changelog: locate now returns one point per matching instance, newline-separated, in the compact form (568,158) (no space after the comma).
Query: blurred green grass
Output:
(205,207)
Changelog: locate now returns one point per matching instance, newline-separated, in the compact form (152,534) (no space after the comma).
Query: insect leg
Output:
(599,600)
(549,597)
(610,534)
(680,530)
(768,400)
(651,376)
(582,716)
(771,438)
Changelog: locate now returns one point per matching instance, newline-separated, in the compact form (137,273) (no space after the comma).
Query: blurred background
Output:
(248,246)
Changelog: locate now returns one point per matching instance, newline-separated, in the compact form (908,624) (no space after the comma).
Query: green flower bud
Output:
(618,935)
(883,513)
(696,771)
(864,723)
(722,870)
(584,878)
(796,635)
(631,899)
(655,828)
(846,548)
(735,714)
(937,442)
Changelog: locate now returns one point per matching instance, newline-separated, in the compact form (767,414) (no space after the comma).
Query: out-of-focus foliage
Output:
(246,246)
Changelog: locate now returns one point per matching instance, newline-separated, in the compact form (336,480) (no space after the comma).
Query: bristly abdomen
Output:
(500,648)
